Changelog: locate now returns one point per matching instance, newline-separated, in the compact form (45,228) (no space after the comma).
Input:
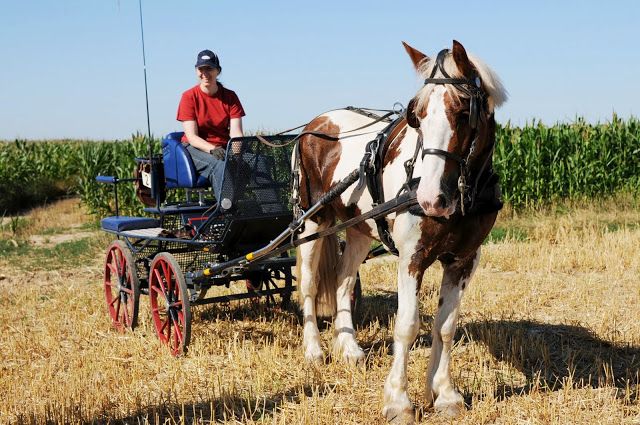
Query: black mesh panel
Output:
(257,179)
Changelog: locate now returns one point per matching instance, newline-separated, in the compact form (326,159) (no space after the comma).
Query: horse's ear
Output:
(462,60)
(417,57)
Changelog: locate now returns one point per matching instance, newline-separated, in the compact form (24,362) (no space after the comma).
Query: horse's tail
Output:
(325,276)
(326,305)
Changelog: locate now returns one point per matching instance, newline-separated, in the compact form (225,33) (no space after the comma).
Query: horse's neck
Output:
(394,173)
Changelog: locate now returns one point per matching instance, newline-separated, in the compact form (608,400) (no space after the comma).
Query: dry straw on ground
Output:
(549,333)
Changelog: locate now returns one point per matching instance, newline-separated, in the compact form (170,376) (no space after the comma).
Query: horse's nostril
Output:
(441,202)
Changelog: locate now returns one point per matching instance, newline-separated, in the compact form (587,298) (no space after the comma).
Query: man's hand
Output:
(218,153)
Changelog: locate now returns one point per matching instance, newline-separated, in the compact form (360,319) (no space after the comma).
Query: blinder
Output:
(412,118)
(470,87)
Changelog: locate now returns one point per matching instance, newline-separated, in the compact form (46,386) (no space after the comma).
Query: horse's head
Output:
(453,115)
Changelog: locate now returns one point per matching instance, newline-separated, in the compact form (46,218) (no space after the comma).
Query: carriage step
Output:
(122,223)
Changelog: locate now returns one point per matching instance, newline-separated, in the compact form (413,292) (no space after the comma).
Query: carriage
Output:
(174,256)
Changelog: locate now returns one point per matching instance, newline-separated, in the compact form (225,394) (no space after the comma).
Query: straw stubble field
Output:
(549,333)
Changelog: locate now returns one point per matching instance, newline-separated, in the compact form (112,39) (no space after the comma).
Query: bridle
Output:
(477,101)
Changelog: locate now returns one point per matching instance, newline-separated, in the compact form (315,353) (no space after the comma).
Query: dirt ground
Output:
(549,333)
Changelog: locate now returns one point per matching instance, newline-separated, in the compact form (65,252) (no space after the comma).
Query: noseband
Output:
(469,87)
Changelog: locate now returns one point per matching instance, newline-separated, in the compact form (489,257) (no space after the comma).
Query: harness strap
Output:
(376,153)
(400,203)
(396,204)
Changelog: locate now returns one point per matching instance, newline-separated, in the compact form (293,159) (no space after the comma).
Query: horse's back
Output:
(332,150)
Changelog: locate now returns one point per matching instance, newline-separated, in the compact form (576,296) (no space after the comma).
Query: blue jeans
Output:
(209,167)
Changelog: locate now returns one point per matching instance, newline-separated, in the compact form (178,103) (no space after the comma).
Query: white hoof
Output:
(399,415)
(355,357)
(349,350)
(451,406)
(314,355)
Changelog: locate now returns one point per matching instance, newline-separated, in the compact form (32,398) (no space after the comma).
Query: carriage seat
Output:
(179,171)
(121,223)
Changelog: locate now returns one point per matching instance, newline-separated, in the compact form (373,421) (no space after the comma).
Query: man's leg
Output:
(209,167)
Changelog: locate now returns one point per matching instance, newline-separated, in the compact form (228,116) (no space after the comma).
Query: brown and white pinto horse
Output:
(440,113)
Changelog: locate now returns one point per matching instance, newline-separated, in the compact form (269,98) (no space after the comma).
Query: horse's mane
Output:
(490,82)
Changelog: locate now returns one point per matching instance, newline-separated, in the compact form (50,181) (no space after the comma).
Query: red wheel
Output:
(266,281)
(169,299)
(121,286)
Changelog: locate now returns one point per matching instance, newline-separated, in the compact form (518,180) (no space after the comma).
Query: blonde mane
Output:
(491,83)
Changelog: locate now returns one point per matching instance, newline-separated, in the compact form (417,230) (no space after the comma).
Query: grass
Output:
(548,334)
(33,245)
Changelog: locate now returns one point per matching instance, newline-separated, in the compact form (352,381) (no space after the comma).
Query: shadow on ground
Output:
(549,355)
(226,408)
(555,354)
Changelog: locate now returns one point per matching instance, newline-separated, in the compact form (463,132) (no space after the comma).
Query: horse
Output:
(448,131)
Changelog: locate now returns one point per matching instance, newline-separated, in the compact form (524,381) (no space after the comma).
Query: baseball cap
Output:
(208,58)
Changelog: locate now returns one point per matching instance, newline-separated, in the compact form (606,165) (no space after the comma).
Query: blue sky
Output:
(73,68)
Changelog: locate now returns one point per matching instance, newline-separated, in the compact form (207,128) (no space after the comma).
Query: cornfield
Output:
(537,164)
(34,172)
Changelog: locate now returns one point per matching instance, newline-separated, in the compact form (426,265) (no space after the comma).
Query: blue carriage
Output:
(171,254)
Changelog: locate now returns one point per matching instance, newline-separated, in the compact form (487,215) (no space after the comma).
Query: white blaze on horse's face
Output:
(437,133)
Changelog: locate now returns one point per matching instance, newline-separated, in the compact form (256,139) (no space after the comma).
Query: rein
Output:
(334,136)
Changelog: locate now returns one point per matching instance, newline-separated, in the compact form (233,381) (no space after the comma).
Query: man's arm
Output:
(191,131)
(235,130)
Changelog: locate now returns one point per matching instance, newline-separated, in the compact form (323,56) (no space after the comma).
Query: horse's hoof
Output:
(314,356)
(354,358)
(399,416)
(349,350)
(450,409)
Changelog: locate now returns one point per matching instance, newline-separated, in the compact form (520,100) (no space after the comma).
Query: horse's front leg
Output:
(397,406)
(308,257)
(354,254)
(440,391)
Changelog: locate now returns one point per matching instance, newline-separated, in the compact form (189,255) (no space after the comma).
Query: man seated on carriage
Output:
(211,114)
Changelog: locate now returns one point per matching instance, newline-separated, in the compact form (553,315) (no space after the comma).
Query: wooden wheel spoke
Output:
(166,271)
(156,272)
(108,283)
(176,304)
(114,270)
(125,313)
(178,333)
(115,300)
(116,259)
(168,336)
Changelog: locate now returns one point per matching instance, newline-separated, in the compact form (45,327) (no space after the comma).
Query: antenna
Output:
(146,92)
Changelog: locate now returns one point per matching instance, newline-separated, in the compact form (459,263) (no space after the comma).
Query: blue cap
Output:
(208,58)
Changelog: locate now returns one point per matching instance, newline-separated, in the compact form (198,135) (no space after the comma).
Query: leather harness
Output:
(373,161)
(372,164)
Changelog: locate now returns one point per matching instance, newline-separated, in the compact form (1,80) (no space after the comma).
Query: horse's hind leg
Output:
(439,388)
(354,253)
(308,258)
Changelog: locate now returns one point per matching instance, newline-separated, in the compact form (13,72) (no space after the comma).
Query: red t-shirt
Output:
(212,113)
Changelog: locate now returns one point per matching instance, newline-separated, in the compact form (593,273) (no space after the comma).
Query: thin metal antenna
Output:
(146,92)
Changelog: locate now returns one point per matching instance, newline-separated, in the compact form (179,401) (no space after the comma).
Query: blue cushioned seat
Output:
(179,171)
(122,223)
